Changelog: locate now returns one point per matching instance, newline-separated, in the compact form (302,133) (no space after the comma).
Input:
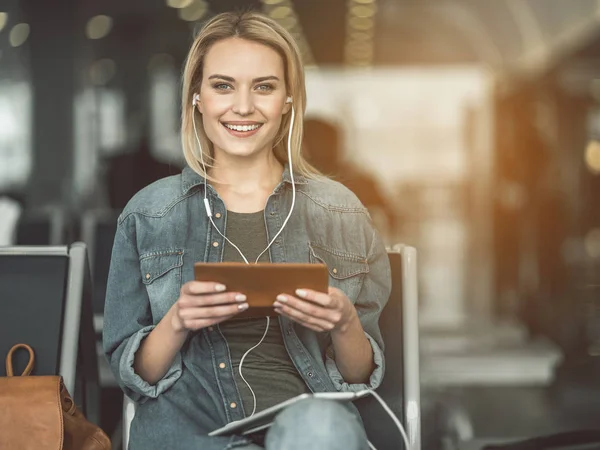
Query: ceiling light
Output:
(195,11)
(3,20)
(352,43)
(592,157)
(179,3)
(591,242)
(359,54)
(19,34)
(362,11)
(361,23)
(280,12)
(98,27)
(288,22)
(365,35)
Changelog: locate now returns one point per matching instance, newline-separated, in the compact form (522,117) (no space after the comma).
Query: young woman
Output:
(174,344)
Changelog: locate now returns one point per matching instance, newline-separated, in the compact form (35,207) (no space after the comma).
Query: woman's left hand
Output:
(316,310)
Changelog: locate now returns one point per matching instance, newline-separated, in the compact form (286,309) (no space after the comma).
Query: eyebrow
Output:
(255,80)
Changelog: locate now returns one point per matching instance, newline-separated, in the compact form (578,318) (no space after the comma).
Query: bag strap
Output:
(9,365)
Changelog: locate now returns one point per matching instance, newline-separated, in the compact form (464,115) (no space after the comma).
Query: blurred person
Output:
(128,172)
(175,344)
(323,150)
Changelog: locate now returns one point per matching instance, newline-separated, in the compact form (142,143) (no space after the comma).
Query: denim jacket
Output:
(164,230)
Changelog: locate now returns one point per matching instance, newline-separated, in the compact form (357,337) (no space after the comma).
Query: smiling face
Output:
(242,97)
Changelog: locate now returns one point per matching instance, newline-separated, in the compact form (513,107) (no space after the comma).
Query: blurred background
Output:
(470,129)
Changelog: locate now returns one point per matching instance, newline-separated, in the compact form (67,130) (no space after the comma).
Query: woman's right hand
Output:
(202,304)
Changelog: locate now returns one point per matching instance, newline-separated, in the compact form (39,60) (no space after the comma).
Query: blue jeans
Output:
(315,423)
(162,423)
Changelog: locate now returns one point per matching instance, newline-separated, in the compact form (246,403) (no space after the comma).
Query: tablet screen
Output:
(265,418)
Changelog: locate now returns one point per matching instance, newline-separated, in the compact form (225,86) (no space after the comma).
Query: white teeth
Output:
(242,127)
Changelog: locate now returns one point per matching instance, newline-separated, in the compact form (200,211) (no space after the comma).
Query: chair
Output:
(401,386)
(98,228)
(45,301)
(400,389)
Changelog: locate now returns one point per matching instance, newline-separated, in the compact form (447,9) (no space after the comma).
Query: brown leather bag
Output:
(37,412)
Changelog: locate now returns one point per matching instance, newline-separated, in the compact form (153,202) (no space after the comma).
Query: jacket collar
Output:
(191,179)
(298,179)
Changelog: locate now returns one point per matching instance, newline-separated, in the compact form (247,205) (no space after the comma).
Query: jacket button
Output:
(334,270)
(222,365)
(215,244)
(310,374)
(218,215)
(233,405)
(147,276)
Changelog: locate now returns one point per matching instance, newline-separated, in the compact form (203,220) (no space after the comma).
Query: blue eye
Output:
(221,86)
(265,87)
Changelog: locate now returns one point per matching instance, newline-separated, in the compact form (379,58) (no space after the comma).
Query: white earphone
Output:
(195,100)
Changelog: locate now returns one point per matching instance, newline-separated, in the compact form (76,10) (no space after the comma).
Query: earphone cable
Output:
(242,362)
(209,214)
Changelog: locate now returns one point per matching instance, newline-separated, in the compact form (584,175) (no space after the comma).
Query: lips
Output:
(242,129)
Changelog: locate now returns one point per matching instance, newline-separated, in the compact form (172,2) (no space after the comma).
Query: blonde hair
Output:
(257,28)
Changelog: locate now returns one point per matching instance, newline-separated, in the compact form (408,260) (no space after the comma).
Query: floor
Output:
(505,386)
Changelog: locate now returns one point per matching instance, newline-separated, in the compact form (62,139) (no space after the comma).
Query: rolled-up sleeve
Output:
(373,296)
(128,318)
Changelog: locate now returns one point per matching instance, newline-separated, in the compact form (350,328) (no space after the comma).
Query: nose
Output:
(243,104)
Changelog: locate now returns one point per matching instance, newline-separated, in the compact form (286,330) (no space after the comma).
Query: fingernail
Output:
(300,292)
(243,306)
(276,305)
(240,298)
(220,287)
(282,298)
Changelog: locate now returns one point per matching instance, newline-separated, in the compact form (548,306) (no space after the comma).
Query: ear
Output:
(197,103)
(287,107)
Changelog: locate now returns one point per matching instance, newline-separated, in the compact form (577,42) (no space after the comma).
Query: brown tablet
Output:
(263,282)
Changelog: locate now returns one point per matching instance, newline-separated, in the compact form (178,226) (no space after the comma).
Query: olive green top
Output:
(268,368)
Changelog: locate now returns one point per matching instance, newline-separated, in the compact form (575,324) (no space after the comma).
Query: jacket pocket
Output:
(161,273)
(346,271)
